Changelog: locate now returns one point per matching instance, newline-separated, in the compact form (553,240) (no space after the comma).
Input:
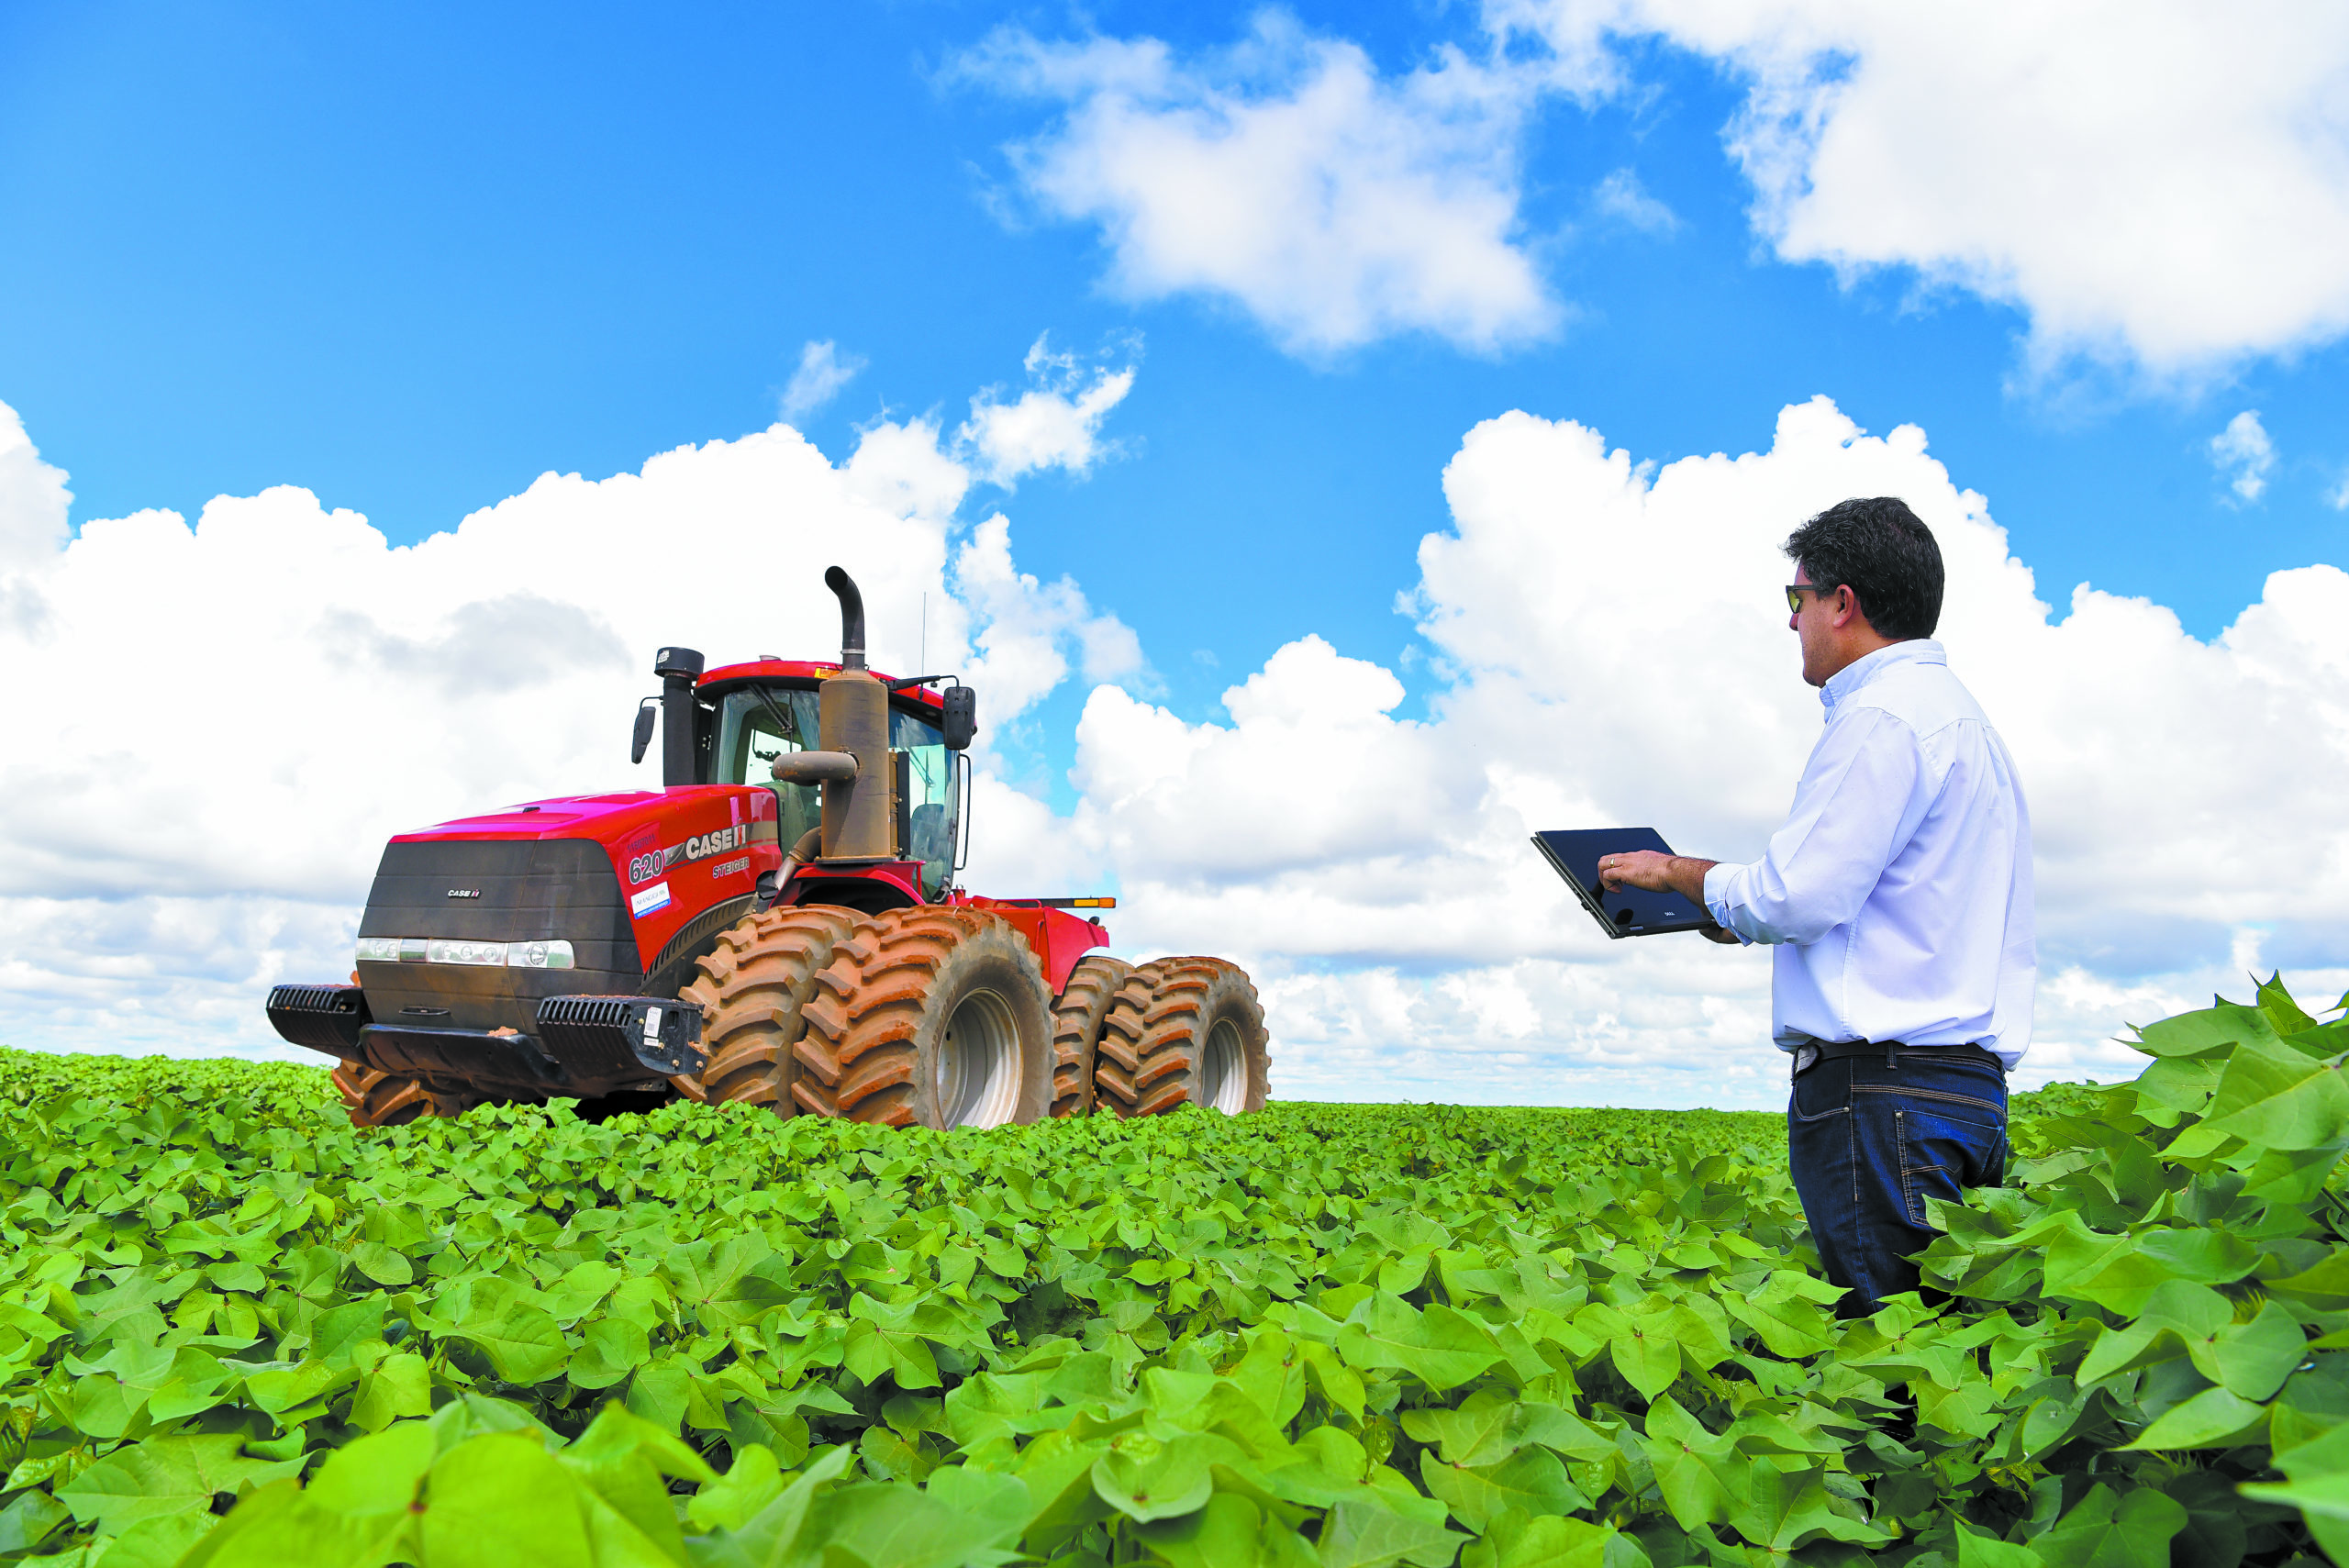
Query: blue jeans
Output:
(1868,1144)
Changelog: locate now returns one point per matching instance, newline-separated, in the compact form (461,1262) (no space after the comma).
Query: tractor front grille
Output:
(495,890)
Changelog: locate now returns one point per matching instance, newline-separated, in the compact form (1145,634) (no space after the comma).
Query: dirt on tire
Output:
(1183,1031)
(928,1017)
(751,987)
(1078,1019)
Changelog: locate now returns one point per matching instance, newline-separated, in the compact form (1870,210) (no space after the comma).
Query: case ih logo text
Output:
(652,863)
(465,892)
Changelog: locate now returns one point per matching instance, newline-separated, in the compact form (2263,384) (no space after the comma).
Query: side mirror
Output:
(645,713)
(959,718)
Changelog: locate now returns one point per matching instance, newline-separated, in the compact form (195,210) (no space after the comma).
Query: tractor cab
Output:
(748,716)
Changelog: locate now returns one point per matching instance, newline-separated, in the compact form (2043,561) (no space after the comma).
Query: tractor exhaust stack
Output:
(851,617)
(852,720)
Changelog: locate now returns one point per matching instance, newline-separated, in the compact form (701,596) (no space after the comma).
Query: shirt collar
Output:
(1861,671)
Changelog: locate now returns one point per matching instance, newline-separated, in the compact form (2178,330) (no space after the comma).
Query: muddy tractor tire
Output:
(928,1018)
(1183,1031)
(751,987)
(372,1098)
(1077,1021)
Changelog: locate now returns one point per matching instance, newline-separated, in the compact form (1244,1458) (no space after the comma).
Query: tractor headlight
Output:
(548,954)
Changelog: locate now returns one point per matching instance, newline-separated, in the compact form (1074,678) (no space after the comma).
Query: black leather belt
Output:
(1891,1050)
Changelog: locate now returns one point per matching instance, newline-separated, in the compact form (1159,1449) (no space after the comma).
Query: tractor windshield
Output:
(755,725)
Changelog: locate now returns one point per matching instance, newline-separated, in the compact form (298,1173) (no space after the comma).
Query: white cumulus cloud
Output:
(822,371)
(2157,184)
(1055,423)
(2243,455)
(1287,175)
(1622,198)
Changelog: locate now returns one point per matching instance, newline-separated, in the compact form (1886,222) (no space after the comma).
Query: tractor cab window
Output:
(930,798)
(755,726)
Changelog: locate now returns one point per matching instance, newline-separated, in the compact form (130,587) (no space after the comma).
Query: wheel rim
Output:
(1223,1077)
(977,1068)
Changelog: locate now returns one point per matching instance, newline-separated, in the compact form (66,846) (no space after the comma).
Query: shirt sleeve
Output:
(1849,820)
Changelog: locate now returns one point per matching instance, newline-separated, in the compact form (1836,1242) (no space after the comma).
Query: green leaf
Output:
(32,1519)
(1359,1533)
(613,1347)
(521,1342)
(751,1484)
(1978,1550)
(1695,1468)
(2121,1272)
(502,1501)
(2212,1418)
(1230,1531)
(2105,1530)
(885,1340)
(1785,1313)
(1441,1347)
(163,1477)
(2228,1024)
(355,1514)
(1533,1479)
(778,1536)
(2274,1098)
(1549,1542)
(2281,1010)
(1145,1479)
(401,1385)
(2253,1359)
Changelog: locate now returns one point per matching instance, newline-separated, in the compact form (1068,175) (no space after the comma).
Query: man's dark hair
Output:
(1880,551)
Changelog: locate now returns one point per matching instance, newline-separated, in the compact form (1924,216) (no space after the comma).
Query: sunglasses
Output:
(1795,591)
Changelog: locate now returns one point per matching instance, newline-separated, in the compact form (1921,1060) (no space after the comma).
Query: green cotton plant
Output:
(235,1330)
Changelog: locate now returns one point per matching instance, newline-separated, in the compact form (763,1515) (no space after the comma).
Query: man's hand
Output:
(1656,873)
(1663,873)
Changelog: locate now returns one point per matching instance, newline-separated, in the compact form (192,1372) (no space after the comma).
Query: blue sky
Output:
(412,258)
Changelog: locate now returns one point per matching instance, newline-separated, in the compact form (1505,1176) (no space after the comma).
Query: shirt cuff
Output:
(1717,899)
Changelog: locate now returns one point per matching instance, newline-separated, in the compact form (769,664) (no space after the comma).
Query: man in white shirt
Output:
(1899,898)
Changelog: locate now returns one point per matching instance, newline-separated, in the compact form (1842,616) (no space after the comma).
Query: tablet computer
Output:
(1627,911)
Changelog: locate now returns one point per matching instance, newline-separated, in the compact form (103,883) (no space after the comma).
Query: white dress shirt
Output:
(1899,888)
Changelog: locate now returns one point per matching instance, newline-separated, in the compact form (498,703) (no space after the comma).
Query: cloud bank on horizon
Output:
(2156,189)
(227,720)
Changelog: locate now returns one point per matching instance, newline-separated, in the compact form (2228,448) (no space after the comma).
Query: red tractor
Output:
(779,925)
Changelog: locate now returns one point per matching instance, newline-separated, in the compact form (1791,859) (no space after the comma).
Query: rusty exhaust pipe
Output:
(853,721)
(851,617)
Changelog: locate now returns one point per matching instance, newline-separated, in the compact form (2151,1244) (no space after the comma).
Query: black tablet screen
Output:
(1628,911)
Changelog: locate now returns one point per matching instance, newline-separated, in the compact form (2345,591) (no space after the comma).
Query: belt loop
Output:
(1892,1056)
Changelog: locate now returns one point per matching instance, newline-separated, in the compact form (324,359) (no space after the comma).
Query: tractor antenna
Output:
(923,662)
(851,617)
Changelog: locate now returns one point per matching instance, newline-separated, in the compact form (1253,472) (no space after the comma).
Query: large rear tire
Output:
(930,1018)
(751,987)
(1184,1031)
(1078,1019)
